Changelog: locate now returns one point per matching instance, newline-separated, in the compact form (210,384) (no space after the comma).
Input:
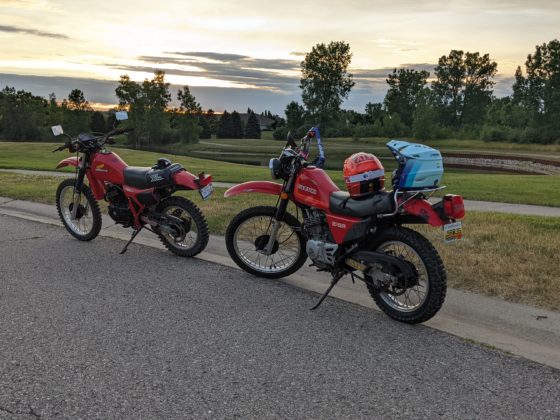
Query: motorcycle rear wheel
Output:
(87,224)
(248,234)
(194,235)
(421,301)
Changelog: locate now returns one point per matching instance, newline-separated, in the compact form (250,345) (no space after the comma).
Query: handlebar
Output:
(107,139)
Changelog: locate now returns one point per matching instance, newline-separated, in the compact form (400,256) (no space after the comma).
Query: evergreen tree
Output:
(224,126)
(253,128)
(204,128)
(294,116)
(236,126)
(98,123)
(404,85)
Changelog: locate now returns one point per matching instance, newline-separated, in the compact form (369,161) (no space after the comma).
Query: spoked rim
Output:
(83,223)
(190,236)
(413,297)
(251,235)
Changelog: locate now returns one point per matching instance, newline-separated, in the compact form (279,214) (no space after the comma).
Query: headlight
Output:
(274,166)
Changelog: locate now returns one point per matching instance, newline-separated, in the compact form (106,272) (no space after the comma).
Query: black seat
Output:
(144,178)
(379,203)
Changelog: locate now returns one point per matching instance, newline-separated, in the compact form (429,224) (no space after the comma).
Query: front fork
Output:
(279,216)
(77,196)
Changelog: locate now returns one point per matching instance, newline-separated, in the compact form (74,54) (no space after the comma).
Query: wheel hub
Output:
(262,241)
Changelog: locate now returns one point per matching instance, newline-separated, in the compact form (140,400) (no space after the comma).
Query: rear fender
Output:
(263,187)
(185,180)
(69,161)
(423,209)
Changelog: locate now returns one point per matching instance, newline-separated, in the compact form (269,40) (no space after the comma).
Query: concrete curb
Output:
(519,329)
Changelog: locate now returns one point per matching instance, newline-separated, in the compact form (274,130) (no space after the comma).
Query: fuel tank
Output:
(108,167)
(313,187)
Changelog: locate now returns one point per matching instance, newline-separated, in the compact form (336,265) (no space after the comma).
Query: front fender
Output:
(263,187)
(69,161)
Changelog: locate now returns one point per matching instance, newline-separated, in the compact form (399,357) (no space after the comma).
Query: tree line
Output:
(456,101)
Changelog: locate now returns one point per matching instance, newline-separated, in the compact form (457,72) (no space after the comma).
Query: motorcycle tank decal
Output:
(108,167)
(313,187)
(340,225)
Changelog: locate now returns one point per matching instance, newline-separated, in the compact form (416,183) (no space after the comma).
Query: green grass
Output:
(522,189)
(514,257)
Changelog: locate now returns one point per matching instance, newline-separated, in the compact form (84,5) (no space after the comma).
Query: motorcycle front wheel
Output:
(87,223)
(420,301)
(247,239)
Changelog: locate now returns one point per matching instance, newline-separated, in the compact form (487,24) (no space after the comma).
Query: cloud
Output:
(16,29)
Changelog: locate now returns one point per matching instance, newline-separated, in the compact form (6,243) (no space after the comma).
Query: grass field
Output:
(514,257)
(523,189)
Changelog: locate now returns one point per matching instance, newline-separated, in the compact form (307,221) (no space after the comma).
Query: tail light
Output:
(453,206)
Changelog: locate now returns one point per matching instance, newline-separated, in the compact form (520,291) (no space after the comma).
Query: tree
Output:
(464,87)
(424,122)
(98,123)
(539,91)
(203,128)
(294,116)
(404,85)
(224,126)
(236,126)
(188,116)
(146,103)
(253,128)
(374,112)
(77,101)
(23,116)
(325,80)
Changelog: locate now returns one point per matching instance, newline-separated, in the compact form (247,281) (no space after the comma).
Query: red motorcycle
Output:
(137,197)
(359,232)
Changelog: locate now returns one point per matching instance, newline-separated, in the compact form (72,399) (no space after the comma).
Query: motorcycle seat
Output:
(144,178)
(378,203)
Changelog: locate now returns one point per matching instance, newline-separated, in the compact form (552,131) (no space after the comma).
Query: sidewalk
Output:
(519,329)
(523,209)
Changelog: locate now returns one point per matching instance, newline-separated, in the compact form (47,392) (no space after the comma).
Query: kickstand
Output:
(136,232)
(335,278)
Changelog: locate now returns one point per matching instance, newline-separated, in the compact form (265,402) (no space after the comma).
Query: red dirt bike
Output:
(137,197)
(363,237)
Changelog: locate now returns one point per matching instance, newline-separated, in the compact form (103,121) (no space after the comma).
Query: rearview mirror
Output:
(57,130)
(121,115)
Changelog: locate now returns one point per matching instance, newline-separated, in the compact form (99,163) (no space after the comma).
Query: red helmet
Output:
(363,174)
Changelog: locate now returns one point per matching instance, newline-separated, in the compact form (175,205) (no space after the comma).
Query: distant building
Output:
(265,123)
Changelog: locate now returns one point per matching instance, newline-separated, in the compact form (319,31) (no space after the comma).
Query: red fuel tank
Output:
(313,188)
(108,167)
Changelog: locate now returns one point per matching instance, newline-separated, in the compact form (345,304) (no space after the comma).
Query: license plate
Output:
(206,191)
(453,232)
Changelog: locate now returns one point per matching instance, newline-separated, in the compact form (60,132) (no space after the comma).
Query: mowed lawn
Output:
(522,189)
(510,256)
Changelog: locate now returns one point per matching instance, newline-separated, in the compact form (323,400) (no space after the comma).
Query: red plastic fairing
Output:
(424,210)
(185,179)
(340,225)
(264,187)
(69,161)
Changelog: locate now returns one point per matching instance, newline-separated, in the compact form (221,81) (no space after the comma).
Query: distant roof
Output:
(263,121)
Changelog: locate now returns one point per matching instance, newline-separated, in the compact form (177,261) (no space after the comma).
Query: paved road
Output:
(86,332)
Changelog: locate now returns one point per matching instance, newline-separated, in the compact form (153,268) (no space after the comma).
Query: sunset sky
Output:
(247,53)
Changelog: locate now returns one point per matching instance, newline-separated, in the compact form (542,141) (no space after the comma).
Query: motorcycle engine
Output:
(118,206)
(320,247)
